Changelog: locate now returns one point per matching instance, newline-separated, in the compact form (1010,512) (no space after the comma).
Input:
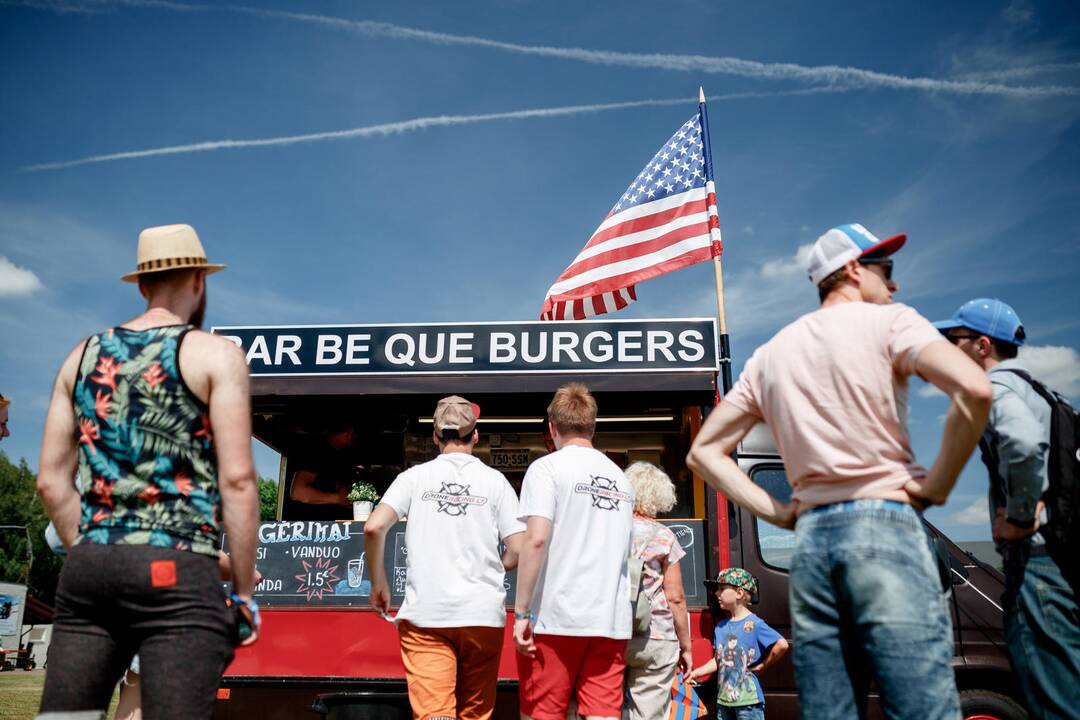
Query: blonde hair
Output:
(654,493)
(573,410)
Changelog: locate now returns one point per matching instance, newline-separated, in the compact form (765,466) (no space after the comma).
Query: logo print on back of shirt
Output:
(453,499)
(604,492)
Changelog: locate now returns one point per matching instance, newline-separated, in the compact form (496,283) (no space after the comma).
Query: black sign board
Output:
(317,564)
(456,348)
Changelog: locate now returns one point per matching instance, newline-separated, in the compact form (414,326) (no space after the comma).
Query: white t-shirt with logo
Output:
(459,509)
(584,587)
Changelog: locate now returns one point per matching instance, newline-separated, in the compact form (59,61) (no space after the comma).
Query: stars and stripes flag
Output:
(666,220)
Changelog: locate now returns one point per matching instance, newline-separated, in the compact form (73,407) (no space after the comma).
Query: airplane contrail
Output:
(1023,71)
(851,77)
(403,126)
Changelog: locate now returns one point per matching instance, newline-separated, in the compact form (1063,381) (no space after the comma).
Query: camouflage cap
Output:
(737,577)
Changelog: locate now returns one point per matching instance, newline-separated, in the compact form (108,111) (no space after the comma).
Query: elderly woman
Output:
(652,658)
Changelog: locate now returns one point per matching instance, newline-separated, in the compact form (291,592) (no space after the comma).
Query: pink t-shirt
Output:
(832,386)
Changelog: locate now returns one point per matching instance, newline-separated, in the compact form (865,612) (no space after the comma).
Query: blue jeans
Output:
(867,604)
(744,712)
(1042,629)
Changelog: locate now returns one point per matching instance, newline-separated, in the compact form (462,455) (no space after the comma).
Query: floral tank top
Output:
(146,453)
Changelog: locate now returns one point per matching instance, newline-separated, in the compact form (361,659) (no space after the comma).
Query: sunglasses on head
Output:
(886,265)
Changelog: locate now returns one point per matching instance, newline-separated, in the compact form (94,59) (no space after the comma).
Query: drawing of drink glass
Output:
(356,571)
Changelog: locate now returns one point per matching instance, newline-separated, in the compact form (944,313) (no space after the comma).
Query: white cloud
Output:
(748,230)
(787,266)
(977,512)
(15,281)
(1020,14)
(929,391)
(771,295)
(1054,365)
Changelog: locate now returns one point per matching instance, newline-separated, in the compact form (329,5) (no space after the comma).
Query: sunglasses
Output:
(954,338)
(885,264)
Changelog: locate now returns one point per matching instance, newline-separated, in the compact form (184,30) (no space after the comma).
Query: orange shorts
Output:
(591,666)
(451,672)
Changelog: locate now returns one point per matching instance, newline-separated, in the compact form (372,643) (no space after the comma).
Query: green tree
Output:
(267,499)
(20,505)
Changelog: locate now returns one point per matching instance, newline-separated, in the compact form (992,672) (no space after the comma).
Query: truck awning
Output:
(694,382)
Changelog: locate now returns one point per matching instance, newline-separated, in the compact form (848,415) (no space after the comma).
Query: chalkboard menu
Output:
(316,563)
(695,569)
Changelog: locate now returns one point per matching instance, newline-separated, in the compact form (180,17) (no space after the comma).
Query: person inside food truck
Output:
(324,475)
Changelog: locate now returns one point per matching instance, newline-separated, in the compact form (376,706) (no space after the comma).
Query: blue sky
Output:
(954,122)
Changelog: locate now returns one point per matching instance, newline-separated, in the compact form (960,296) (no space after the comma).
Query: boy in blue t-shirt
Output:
(744,644)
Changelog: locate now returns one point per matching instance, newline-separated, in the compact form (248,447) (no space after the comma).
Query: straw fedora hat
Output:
(169,247)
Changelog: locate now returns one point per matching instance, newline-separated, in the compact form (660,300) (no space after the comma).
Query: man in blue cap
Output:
(1041,610)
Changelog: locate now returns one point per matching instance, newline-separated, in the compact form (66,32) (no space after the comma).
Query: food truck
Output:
(323,648)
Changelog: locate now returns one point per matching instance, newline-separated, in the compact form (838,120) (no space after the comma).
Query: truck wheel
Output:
(28,666)
(986,705)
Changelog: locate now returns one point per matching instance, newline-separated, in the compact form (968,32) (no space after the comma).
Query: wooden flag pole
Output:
(724,345)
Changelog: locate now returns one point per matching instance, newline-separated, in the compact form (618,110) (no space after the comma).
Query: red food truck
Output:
(323,649)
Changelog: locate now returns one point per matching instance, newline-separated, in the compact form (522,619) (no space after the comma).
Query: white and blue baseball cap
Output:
(847,242)
(986,316)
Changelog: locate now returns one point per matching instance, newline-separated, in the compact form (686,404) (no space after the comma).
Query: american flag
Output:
(665,220)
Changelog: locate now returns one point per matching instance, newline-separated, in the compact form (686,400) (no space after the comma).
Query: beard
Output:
(199,315)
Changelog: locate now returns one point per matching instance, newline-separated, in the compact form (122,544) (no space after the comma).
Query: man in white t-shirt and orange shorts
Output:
(572,611)
(866,596)
(451,623)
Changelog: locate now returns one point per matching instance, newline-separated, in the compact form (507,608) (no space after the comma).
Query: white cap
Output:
(846,242)
(830,253)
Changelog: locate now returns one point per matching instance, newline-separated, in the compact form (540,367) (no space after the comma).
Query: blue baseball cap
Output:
(989,317)
(847,242)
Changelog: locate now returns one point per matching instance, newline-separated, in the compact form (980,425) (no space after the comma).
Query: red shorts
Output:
(591,666)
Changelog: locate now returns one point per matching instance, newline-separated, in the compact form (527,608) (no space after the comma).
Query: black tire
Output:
(987,705)
(28,666)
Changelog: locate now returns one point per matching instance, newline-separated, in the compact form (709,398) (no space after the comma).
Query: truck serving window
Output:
(321,457)
(328,443)
(775,545)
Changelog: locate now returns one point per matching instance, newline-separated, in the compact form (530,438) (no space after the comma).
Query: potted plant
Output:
(363,498)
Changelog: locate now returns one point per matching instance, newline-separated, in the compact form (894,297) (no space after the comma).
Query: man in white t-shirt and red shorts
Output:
(572,612)
(451,623)
(866,596)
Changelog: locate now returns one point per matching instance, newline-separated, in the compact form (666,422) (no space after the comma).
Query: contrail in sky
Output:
(402,126)
(822,74)
(1024,71)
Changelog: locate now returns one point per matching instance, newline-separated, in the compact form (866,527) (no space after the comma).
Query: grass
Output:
(20,694)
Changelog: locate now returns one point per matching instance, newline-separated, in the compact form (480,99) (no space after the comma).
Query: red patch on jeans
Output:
(163,573)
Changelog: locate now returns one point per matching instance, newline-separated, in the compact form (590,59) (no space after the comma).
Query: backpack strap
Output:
(1044,392)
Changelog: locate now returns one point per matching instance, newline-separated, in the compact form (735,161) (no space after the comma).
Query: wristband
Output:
(251,605)
(523,616)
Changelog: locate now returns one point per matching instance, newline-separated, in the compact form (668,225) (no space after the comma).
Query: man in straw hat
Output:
(156,415)
(451,622)
(866,595)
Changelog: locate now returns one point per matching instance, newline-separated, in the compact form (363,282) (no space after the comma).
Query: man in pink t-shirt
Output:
(866,599)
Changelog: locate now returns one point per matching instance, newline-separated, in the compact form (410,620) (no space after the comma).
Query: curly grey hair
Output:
(654,493)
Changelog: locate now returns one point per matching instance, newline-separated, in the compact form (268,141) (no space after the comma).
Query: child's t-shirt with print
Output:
(740,644)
